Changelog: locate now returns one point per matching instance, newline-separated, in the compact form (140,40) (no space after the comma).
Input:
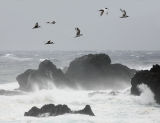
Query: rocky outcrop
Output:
(149,77)
(95,71)
(87,110)
(55,110)
(47,72)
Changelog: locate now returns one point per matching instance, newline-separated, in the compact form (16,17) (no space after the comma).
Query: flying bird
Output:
(53,22)
(36,26)
(78,34)
(103,10)
(49,42)
(124,15)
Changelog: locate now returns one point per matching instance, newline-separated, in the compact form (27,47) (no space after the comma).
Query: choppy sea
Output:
(109,106)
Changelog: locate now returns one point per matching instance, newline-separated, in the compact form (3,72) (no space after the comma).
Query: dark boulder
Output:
(95,71)
(55,110)
(87,110)
(149,77)
(47,72)
(49,109)
(34,111)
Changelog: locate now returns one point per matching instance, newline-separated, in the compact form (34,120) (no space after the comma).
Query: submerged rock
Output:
(55,110)
(95,71)
(149,77)
(87,110)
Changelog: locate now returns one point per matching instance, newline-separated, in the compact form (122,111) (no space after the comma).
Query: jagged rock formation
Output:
(55,110)
(47,72)
(149,77)
(87,110)
(93,71)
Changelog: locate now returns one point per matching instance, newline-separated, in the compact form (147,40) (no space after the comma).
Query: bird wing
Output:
(78,31)
(124,12)
(36,25)
(121,10)
(102,11)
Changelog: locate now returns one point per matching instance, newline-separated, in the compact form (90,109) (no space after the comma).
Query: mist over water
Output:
(109,105)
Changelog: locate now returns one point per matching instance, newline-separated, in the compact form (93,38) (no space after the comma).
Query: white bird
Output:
(102,11)
(124,15)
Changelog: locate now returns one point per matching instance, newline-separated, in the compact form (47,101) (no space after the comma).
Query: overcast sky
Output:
(141,31)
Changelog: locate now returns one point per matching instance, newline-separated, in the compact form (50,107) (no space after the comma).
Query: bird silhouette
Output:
(53,22)
(78,34)
(49,42)
(36,26)
(103,10)
(124,15)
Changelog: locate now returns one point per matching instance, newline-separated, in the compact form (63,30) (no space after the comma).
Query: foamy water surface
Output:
(109,106)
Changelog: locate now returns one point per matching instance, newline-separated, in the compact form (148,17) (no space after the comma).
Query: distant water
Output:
(108,105)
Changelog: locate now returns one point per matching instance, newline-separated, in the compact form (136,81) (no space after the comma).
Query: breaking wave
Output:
(106,104)
(146,97)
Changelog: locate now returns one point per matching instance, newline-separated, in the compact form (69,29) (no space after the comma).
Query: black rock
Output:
(95,71)
(47,72)
(149,77)
(52,110)
(34,111)
(87,110)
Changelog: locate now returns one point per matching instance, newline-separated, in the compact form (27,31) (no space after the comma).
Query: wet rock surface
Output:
(55,110)
(149,77)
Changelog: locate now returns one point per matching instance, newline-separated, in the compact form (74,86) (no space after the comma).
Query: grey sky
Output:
(141,31)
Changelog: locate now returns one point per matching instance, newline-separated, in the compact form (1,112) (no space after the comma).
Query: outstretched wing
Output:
(78,31)
(102,11)
(122,10)
(36,25)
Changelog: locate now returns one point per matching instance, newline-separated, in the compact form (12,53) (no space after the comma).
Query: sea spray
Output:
(147,96)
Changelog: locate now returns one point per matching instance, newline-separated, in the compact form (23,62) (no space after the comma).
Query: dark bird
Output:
(78,34)
(49,42)
(103,10)
(36,26)
(53,22)
(124,15)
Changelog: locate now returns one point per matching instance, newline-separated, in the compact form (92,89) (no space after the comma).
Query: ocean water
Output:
(109,106)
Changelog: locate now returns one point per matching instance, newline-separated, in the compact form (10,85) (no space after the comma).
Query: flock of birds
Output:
(78,32)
